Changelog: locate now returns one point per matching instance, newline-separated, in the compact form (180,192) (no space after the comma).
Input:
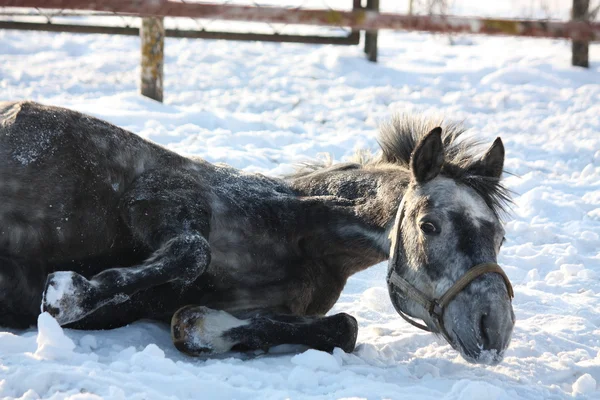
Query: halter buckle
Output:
(436,310)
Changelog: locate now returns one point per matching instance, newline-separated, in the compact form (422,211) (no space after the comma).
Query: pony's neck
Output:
(376,190)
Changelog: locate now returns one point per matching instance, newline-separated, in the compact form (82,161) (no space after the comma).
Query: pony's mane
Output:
(399,137)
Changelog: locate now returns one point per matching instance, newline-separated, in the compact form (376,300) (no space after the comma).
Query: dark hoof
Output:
(198,330)
(67,296)
(347,331)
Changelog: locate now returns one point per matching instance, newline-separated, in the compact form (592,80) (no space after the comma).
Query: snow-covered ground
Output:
(263,107)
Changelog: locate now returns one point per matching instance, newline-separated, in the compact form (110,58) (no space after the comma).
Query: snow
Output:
(62,286)
(52,343)
(585,384)
(314,359)
(262,107)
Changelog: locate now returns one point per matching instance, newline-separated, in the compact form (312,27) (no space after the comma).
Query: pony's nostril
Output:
(483,330)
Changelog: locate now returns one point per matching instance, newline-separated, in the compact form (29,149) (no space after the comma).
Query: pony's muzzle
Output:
(480,320)
(491,329)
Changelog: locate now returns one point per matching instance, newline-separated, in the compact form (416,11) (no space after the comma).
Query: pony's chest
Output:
(267,271)
(240,255)
(251,237)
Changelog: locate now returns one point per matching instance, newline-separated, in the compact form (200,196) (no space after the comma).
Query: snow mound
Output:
(585,384)
(315,359)
(52,343)
(377,299)
(468,390)
(516,75)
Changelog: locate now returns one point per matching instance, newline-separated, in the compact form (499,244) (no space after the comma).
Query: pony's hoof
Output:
(198,330)
(66,296)
(348,329)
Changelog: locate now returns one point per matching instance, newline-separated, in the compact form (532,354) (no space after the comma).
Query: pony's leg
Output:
(21,284)
(171,219)
(198,330)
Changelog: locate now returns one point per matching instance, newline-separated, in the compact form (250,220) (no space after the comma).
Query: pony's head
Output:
(446,239)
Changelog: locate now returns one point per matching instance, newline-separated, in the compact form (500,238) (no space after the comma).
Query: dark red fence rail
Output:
(357,19)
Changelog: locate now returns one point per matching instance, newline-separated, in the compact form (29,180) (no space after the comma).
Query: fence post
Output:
(152,35)
(371,36)
(580,48)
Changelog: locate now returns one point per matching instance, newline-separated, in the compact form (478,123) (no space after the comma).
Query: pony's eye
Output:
(502,243)
(429,228)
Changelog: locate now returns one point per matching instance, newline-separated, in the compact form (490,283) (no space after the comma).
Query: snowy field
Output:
(263,107)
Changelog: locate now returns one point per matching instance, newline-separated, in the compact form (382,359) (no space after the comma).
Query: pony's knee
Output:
(189,253)
(68,296)
(195,247)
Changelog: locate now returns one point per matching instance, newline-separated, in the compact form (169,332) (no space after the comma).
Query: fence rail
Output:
(357,19)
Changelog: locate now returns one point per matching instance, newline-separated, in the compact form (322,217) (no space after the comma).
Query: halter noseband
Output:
(436,307)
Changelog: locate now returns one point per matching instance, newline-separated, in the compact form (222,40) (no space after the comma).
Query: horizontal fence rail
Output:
(351,38)
(357,19)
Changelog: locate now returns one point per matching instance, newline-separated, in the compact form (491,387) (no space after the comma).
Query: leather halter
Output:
(437,307)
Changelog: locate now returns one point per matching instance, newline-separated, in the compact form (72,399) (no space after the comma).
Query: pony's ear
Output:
(492,162)
(427,158)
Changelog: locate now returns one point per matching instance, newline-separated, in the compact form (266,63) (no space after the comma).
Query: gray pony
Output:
(102,228)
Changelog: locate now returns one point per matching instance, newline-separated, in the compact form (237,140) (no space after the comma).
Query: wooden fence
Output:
(368,19)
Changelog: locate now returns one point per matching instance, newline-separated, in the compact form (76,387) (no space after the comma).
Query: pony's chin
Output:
(477,355)
(484,357)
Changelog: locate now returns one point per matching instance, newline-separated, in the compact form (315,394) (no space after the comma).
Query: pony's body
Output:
(65,179)
(104,228)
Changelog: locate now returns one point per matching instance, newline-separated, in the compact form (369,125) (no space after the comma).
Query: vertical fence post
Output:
(371,36)
(152,34)
(356,6)
(580,48)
